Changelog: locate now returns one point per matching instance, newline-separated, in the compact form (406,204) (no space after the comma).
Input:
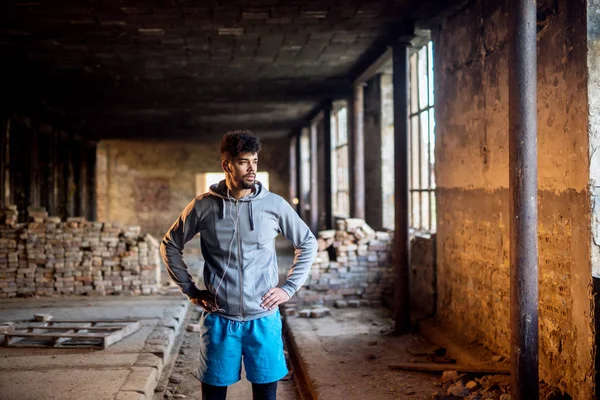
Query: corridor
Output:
(443,153)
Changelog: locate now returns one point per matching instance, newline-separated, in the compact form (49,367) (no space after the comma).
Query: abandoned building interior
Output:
(449,171)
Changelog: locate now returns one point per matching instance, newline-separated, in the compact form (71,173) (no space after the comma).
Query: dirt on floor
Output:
(348,353)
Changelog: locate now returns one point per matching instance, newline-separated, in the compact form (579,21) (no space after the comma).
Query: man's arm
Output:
(171,249)
(305,245)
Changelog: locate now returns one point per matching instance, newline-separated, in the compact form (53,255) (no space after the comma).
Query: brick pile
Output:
(361,272)
(48,257)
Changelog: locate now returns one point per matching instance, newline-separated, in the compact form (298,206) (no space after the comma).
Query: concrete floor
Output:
(347,355)
(130,367)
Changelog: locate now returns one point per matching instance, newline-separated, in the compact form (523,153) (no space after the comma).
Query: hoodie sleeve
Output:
(171,248)
(305,245)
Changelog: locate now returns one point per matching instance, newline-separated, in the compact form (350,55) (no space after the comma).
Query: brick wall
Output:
(472,175)
(149,183)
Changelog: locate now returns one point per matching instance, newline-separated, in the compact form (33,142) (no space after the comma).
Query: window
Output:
(339,163)
(305,170)
(422,140)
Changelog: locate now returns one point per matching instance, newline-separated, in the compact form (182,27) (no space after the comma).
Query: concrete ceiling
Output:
(186,69)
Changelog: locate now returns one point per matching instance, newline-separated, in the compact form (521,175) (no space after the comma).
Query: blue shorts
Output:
(259,342)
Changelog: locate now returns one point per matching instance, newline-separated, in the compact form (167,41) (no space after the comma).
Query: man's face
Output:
(242,170)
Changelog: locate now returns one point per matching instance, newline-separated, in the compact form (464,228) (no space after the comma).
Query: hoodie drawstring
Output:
(251,217)
(222,210)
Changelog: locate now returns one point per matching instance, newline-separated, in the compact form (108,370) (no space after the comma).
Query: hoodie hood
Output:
(221,191)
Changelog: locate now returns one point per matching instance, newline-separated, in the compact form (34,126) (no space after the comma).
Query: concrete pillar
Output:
(372,151)
(53,178)
(82,180)
(357,155)
(293,168)
(34,177)
(314,180)
(4,132)
(401,234)
(92,204)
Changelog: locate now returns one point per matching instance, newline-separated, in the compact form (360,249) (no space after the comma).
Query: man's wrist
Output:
(193,292)
(288,290)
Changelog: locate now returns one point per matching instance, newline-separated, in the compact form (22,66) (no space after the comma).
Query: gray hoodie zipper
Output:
(241,264)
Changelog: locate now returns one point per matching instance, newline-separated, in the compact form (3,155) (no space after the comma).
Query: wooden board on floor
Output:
(69,334)
(432,367)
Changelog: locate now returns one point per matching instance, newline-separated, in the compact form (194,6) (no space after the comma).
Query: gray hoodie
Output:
(237,238)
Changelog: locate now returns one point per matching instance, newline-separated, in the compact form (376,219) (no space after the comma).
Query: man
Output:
(238,221)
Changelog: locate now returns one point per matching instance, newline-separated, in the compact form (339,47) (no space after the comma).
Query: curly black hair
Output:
(237,142)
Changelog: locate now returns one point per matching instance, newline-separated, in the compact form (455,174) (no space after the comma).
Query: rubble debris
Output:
(484,387)
(353,265)
(176,378)
(315,312)
(458,389)
(42,317)
(320,312)
(449,376)
(354,303)
(471,385)
(290,311)
(194,328)
(340,304)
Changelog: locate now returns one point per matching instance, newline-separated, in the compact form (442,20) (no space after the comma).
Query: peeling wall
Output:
(422,274)
(148,183)
(471,87)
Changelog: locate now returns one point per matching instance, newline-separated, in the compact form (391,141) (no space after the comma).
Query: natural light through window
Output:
(204,180)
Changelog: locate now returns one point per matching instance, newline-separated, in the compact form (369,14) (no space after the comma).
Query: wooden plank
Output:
(63,338)
(434,367)
(68,335)
(57,335)
(73,327)
(77,321)
(119,335)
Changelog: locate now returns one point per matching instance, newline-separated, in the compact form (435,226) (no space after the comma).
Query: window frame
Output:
(422,190)
(340,155)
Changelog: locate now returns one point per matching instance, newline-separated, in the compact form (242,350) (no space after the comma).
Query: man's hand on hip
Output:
(274,297)
(205,300)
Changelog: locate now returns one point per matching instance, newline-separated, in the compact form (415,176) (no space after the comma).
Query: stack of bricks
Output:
(48,257)
(361,274)
(12,259)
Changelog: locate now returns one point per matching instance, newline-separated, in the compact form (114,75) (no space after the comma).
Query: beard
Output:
(245,185)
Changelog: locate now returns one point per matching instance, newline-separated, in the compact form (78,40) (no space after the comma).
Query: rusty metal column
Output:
(522,86)
(358,153)
(401,237)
